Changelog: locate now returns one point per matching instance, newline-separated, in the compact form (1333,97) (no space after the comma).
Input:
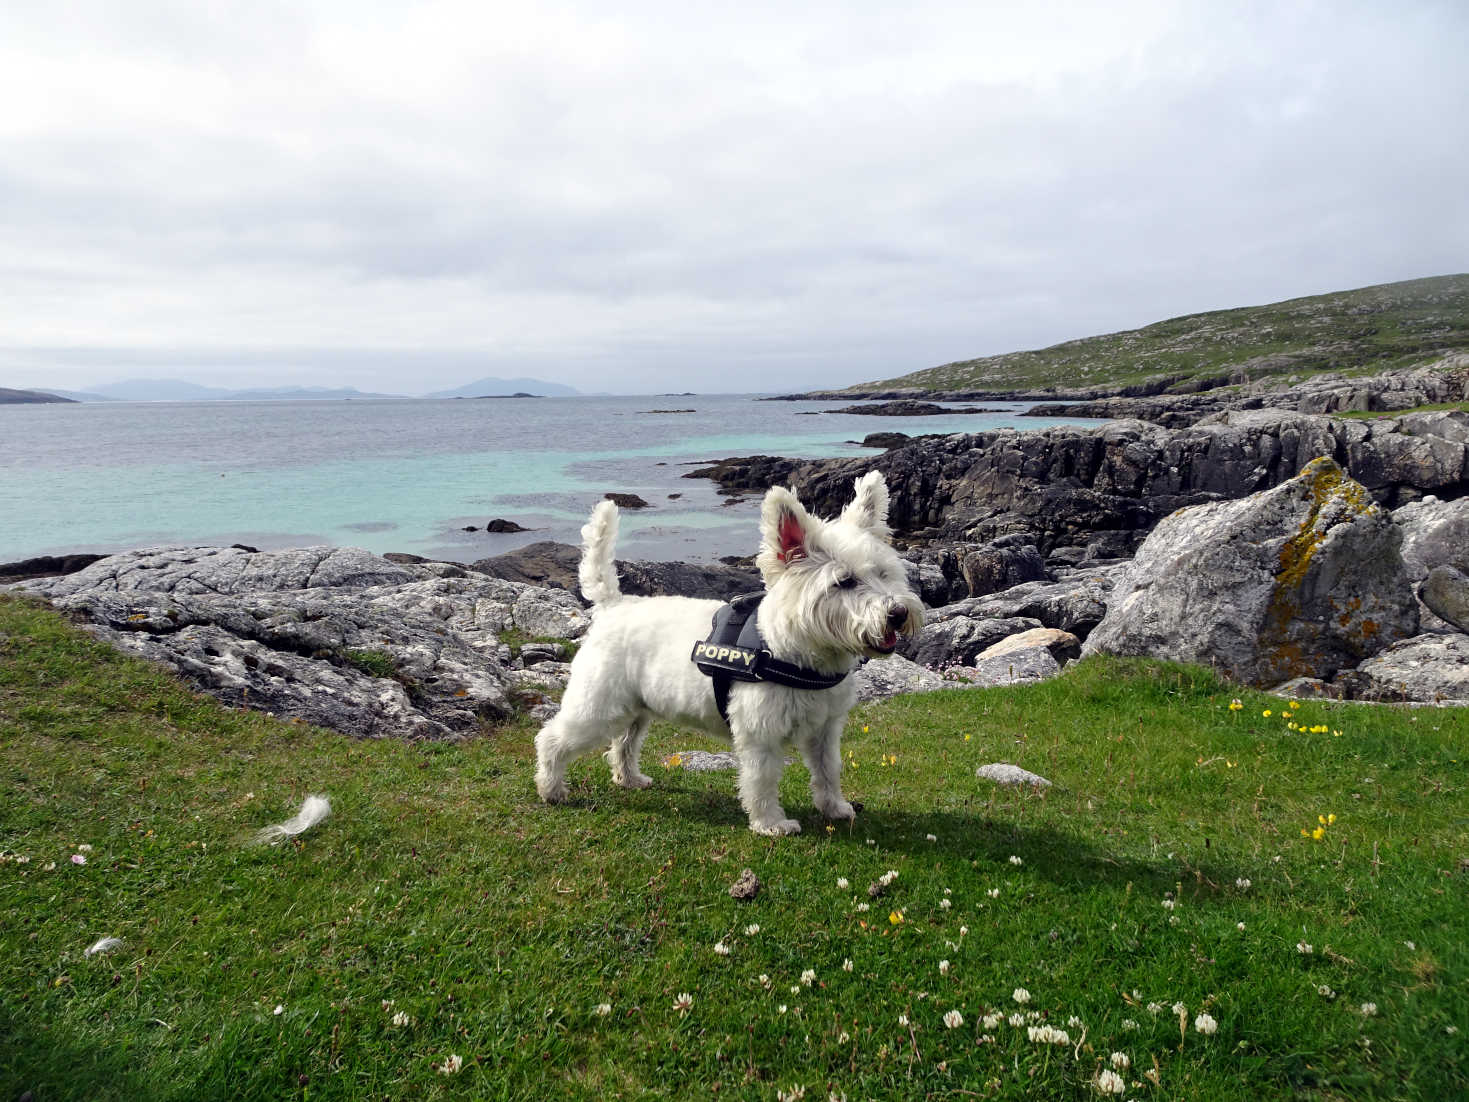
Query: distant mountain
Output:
(77,395)
(27,397)
(1369,330)
(493,386)
(176,390)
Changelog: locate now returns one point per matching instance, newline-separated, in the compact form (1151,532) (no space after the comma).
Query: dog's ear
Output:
(869,509)
(785,531)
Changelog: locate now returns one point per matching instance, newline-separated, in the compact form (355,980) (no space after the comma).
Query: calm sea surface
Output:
(404,475)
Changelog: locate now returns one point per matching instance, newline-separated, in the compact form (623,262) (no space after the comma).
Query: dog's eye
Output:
(847,582)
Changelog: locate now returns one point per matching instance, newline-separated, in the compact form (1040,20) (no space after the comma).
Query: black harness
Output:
(735,651)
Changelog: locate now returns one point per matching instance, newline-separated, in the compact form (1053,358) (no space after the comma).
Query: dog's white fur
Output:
(835,591)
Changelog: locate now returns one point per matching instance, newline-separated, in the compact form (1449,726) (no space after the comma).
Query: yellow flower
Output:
(966,738)
(895,917)
(1319,833)
(1330,819)
(1292,726)
(1266,713)
(1295,703)
(865,728)
(1235,705)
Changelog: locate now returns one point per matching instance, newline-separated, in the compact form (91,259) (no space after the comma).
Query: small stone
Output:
(1004,773)
(747,886)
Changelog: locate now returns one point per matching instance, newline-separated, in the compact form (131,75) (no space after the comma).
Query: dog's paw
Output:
(777,828)
(553,793)
(840,809)
(635,780)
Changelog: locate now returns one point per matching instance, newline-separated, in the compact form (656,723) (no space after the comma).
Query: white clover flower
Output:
(1128,1025)
(943,968)
(683,1002)
(1074,1022)
(933,837)
(843,883)
(279,1010)
(1240,926)
(963,931)
(1369,1010)
(795,989)
(993,893)
(764,980)
(1325,992)
(993,1021)
(1180,1009)
(844,1037)
(1205,1023)
(1121,1061)
(402,1020)
(1016,860)
(796,1092)
(1169,904)
(1242,883)
(1020,995)
(847,964)
(85,847)
(781,1009)
(953,1019)
(808,977)
(601,1010)
(903,1019)
(721,948)
(1109,1082)
(863,908)
(1155,1009)
(1048,1035)
(1410,945)
(1304,948)
(752,929)
(1016,1020)
(945,904)
(452,1064)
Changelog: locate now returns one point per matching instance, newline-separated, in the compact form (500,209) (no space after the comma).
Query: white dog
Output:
(834,592)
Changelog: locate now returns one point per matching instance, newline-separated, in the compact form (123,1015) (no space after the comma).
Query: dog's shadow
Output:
(959,838)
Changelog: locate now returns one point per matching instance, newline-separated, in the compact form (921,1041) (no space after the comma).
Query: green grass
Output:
(498,925)
(1435,407)
(1368,330)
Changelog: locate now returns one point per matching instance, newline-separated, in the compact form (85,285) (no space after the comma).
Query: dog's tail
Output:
(597,573)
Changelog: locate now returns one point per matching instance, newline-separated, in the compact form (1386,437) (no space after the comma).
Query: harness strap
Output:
(735,651)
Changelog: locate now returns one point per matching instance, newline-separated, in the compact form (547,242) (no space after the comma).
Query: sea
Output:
(412,475)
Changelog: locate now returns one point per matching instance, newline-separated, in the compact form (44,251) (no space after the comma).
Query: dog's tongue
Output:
(890,640)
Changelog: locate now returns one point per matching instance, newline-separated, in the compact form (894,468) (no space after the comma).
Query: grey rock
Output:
(1435,533)
(330,636)
(532,654)
(1076,603)
(747,887)
(1302,580)
(893,675)
(554,565)
(1062,645)
(1446,593)
(1015,667)
(1426,669)
(958,640)
(1308,688)
(1003,773)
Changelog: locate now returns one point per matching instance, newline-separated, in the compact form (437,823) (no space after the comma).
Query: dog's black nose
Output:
(897,617)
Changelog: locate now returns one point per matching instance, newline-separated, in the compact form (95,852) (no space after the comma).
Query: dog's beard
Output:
(821,621)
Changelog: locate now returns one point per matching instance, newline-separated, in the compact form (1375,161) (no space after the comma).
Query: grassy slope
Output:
(498,924)
(1372,328)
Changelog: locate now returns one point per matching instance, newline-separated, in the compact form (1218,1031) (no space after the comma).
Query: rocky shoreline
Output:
(1281,545)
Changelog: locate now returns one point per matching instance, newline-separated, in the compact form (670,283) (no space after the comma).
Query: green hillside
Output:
(1371,329)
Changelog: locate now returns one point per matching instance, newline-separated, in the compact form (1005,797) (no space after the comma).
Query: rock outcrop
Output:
(548,563)
(1066,486)
(332,636)
(1302,580)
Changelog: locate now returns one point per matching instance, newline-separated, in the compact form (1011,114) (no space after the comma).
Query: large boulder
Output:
(1301,580)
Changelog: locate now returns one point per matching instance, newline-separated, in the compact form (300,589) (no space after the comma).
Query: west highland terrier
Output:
(835,591)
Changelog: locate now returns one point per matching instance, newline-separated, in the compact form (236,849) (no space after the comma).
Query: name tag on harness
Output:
(737,661)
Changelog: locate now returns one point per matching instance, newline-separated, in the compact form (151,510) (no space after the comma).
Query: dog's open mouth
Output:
(887,644)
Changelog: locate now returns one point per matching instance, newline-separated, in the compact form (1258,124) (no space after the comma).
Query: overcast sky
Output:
(669,195)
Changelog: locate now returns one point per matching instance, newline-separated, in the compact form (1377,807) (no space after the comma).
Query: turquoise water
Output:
(403,475)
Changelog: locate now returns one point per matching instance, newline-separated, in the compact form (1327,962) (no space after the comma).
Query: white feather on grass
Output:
(106,945)
(313,811)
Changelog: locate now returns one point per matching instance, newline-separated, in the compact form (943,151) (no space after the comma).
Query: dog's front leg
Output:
(761,765)
(822,752)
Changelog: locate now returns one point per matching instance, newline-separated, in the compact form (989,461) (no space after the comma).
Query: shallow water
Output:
(405,475)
